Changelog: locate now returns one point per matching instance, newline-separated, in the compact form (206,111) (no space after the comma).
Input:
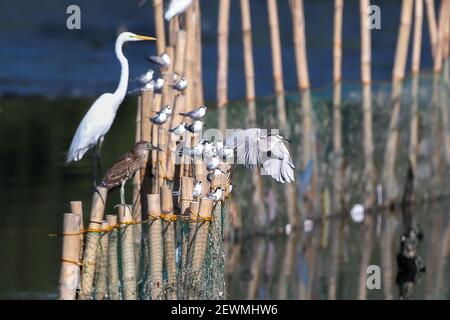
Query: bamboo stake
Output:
(298,21)
(417,38)
(198,65)
(102,266)
(222,65)
(217,249)
(70,269)
(193,218)
(76,207)
(92,239)
(200,242)
(159,25)
(248,51)
(366,48)
(191,20)
(432,26)
(155,246)
(277,63)
(128,262)
(137,175)
(337,40)
(113,259)
(169,242)
(442,25)
(187,186)
(401,52)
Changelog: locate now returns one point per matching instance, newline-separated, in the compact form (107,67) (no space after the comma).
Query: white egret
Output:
(268,152)
(176,7)
(98,120)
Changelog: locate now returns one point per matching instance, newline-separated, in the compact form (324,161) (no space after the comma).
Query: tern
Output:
(162,61)
(180,129)
(216,195)
(197,189)
(196,114)
(197,126)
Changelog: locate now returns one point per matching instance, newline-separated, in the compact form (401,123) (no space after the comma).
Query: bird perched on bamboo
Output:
(162,61)
(180,129)
(98,120)
(180,84)
(126,167)
(255,149)
(196,114)
(146,77)
(161,116)
(176,7)
(197,126)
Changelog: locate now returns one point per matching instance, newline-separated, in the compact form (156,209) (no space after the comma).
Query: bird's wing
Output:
(123,169)
(176,7)
(94,125)
(245,143)
(279,165)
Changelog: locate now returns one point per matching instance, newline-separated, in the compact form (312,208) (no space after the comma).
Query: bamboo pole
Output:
(248,51)
(137,175)
(70,267)
(442,26)
(190,56)
(187,186)
(432,26)
(337,40)
(159,25)
(417,37)
(76,207)
(277,63)
(200,243)
(155,247)
(169,242)
(401,52)
(222,50)
(113,259)
(217,249)
(199,56)
(298,21)
(92,240)
(366,48)
(102,266)
(127,253)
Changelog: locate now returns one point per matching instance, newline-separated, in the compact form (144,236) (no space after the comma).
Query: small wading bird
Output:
(216,195)
(196,114)
(197,189)
(98,120)
(180,129)
(146,77)
(197,126)
(162,61)
(181,84)
(126,167)
(162,116)
(176,7)
(268,152)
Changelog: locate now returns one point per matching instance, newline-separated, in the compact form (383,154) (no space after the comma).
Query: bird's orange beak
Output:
(144,37)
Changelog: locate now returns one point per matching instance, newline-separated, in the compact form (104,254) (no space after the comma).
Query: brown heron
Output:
(126,167)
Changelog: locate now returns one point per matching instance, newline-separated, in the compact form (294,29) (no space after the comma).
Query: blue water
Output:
(39,55)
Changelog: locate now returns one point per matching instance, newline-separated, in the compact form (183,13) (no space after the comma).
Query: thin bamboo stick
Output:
(442,25)
(298,21)
(191,20)
(366,48)
(128,262)
(169,242)
(417,37)
(337,40)
(102,266)
(248,51)
(277,64)
(113,259)
(187,186)
(432,26)
(199,56)
(222,50)
(76,207)
(91,244)
(70,267)
(401,52)
(155,247)
(159,25)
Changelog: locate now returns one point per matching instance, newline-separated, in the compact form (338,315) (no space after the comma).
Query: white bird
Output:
(181,84)
(267,152)
(197,151)
(179,130)
(207,149)
(159,118)
(146,77)
(197,189)
(197,126)
(212,163)
(176,7)
(216,195)
(222,151)
(357,213)
(98,120)
(158,84)
(196,114)
(215,172)
(308,225)
(162,61)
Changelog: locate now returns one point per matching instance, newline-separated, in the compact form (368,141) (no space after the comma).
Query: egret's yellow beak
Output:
(144,37)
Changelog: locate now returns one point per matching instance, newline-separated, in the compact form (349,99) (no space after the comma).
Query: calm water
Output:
(328,262)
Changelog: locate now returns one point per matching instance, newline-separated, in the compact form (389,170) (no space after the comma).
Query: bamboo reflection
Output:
(366,249)
(287,267)
(336,252)
(387,258)
(259,247)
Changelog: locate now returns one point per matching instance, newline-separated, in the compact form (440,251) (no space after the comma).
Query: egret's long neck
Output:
(121,90)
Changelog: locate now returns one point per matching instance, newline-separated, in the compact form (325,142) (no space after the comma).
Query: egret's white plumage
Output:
(268,152)
(98,120)
(176,7)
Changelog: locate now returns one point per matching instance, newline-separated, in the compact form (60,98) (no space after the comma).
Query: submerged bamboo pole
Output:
(113,259)
(155,240)
(70,268)
(169,242)
(92,240)
(440,56)
(277,64)
(102,266)
(248,51)
(128,262)
(159,25)
(222,50)
(432,26)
